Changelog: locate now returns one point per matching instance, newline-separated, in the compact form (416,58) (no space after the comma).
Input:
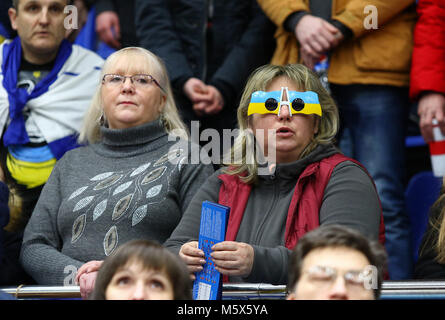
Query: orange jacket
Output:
(376,56)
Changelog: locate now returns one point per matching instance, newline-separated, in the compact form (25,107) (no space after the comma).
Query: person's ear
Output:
(317,125)
(163,103)
(13,17)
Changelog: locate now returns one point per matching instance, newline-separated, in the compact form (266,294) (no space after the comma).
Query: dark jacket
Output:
(4,18)
(125,12)
(11,273)
(4,215)
(222,50)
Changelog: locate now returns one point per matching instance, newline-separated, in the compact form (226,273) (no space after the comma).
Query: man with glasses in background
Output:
(336,263)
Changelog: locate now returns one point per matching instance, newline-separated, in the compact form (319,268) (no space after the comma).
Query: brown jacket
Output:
(376,56)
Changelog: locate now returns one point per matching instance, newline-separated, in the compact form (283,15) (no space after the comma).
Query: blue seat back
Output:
(88,38)
(421,192)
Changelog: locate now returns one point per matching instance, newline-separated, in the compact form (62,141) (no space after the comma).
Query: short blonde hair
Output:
(259,80)
(90,131)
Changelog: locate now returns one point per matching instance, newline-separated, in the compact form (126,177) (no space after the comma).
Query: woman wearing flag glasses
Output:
(299,182)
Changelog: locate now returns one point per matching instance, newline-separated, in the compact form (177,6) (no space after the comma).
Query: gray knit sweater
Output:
(100,196)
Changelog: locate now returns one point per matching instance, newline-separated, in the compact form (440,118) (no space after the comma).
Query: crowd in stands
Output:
(97,167)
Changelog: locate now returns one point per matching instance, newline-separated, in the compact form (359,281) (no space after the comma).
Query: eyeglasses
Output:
(325,276)
(139,80)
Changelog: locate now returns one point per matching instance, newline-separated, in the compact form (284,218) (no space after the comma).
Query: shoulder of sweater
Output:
(80,152)
(350,169)
(192,150)
(347,164)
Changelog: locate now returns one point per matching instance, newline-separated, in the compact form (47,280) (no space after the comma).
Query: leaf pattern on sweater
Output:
(171,156)
(99,209)
(111,240)
(138,215)
(83,203)
(121,207)
(153,175)
(132,186)
(78,227)
(77,192)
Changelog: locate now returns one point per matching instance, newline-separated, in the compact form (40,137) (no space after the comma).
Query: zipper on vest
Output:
(260,232)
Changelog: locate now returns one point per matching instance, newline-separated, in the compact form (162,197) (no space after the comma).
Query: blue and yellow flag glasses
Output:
(263,102)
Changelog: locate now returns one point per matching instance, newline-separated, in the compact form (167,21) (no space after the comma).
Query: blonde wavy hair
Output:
(152,64)
(305,80)
(438,225)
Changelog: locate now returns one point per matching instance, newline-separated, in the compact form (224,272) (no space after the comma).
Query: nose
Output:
(44,17)
(139,292)
(338,291)
(285,112)
(127,86)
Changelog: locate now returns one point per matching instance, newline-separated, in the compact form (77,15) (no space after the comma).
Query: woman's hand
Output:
(86,284)
(86,277)
(233,258)
(316,36)
(193,257)
(91,266)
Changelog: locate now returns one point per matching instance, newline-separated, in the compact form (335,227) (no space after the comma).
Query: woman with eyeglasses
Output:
(285,178)
(133,180)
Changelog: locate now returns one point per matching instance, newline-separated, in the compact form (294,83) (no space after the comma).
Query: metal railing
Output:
(247,291)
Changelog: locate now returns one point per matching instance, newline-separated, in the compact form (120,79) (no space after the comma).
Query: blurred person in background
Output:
(6,31)
(336,263)
(46,86)
(115,23)
(210,48)
(142,270)
(427,84)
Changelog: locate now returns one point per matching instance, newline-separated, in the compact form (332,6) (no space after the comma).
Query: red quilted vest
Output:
(303,214)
